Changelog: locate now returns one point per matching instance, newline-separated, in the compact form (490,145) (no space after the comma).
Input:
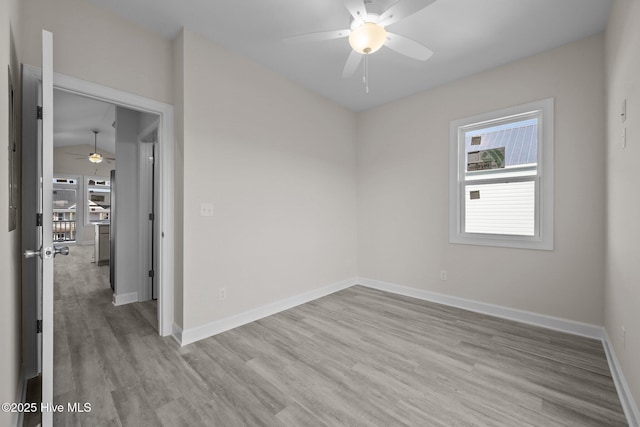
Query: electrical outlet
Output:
(222,294)
(443,274)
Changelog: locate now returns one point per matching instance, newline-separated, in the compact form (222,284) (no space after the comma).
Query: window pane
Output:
(64,199)
(99,206)
(501,208)
(519,140)
(64,215)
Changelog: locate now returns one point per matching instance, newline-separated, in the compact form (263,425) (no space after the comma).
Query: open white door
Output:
(45,251)
(47,226)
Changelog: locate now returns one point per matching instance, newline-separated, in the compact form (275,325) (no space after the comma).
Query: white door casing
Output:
(163,232)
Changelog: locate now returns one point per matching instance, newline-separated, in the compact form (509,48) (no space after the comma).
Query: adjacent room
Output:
(347,212)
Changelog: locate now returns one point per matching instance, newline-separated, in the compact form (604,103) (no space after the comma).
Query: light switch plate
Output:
(206,209)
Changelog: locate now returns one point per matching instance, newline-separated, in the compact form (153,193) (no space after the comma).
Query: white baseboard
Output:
(188,336)
(528,317)
(125,298)
(624,392)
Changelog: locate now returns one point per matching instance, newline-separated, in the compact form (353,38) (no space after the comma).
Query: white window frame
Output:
(543,234)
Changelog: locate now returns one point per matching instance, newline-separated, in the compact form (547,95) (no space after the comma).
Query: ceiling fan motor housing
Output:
(368,37)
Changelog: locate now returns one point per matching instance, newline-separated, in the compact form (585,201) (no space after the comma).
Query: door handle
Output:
(60,250)
(30,254)
(48,253)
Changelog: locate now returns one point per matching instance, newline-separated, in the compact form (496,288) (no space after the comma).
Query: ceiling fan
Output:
(95,156)
(367,33)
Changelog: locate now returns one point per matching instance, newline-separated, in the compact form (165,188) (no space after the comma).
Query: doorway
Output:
(96,145)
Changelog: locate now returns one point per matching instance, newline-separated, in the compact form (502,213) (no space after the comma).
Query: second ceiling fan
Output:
(367,33)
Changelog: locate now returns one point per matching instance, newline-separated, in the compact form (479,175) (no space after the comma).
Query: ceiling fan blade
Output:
(353,61)
(318,37)
(357,9)
(401,10)
(407,47)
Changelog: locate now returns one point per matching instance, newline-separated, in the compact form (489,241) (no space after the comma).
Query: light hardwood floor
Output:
(359,357)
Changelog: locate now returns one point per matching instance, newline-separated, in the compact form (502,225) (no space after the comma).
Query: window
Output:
(64,209)
(98,205)
(501,178)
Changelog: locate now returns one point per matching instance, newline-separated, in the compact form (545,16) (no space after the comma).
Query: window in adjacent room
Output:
(98,206)
(501,178)
(64,209)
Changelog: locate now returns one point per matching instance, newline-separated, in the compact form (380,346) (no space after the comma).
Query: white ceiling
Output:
(75,117)
(467,36)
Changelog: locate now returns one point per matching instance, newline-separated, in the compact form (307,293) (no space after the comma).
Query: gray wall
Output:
(10,253)
(278,163)
(403,189)
(126,215)
(623,228)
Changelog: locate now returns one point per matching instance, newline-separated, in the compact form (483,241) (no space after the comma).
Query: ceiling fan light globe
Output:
(367,38)
(95,158)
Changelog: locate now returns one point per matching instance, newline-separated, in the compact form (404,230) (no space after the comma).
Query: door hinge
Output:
(152,273)
(39,113)
(151,217)
(39,326)
(38,220)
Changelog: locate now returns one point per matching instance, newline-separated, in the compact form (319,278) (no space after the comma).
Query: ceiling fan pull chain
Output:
(365,78)
(364,71)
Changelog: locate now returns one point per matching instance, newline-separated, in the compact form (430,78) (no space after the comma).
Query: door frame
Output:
(164,233)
